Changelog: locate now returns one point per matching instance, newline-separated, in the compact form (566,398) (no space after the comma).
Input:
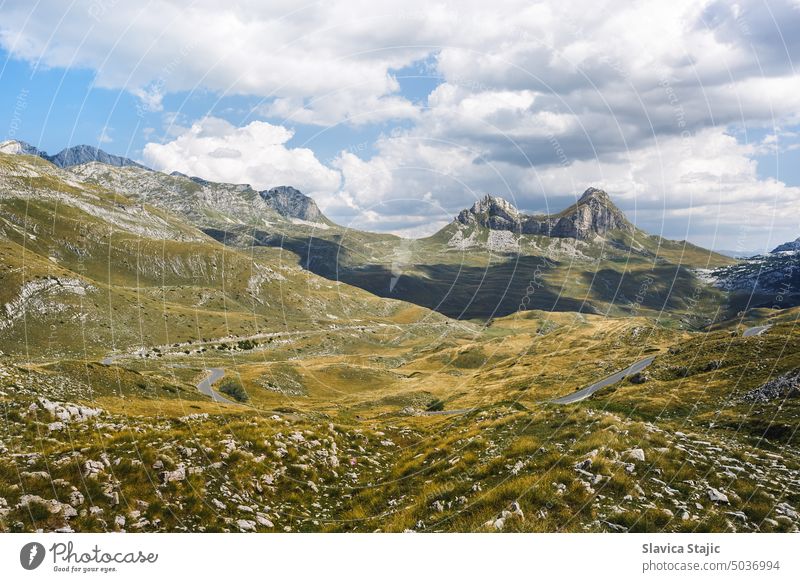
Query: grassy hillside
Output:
(341,433)
(618,275)
(463,271)
(354,412)
(87,270)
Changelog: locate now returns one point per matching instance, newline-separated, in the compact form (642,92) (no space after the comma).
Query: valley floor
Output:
(416,426)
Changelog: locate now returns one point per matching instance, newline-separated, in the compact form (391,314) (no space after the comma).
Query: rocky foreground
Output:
(69,467)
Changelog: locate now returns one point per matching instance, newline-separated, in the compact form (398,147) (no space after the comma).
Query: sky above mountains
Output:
(395,115)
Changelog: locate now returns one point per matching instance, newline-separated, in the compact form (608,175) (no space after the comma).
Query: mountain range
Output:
(587,257)
(789,247)
(593,214)
(68,157)
(178,354)
(477,267)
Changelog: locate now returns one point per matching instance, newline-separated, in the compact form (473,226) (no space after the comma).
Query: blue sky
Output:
(54,108)
(396,116)
(59,107)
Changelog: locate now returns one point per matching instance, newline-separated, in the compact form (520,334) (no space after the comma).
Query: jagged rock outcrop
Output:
(593,214)
(19,148)
(68,157)
(82,154)
(780,388)
(775,276)
(492,212)
(292,203)
(789,247)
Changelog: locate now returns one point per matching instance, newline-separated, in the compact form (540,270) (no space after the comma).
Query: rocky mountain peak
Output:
(593,214)
(292,203)
(68,157)
(596,195)
(81,154)
(789,247)
(492,212)
(16,147)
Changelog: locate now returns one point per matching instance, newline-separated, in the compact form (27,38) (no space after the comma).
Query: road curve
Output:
(757,330)
(448,412)
(607,381)
(205,385)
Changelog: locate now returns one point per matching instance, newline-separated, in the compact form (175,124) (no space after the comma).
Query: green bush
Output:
(435,406)
(234,389)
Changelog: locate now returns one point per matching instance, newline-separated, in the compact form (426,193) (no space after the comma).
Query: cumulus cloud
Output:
(329,62)
(703,187)
(322,63)
(255,154)
(535,100)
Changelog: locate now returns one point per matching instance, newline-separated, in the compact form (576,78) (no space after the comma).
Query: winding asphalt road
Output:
(447,412)
(607,381)
(758,330)
(205,385)
(637,367)
(215,374)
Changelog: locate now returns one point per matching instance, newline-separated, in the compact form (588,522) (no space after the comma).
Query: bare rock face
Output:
(15,147)
(292,203)
(780,388)
(789,247)
(775,275)
(492,212)
(593,214)
(82,154)
(68,157)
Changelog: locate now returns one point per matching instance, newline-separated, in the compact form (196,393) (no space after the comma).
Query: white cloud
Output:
(105,135)
(537,97)
(255,154)
(704,187)
(334,59)
(330,110)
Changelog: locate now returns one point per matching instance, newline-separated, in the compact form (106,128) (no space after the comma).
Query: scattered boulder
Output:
(785,386)
(76,498)
(92,469)
(717,496)
(263,521)
(638,378)
(636,454)
(178,474)
(740,515)
(514,511)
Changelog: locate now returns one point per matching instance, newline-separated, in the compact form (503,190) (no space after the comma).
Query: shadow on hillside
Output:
(664,287)
(457,291)
(503,288)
